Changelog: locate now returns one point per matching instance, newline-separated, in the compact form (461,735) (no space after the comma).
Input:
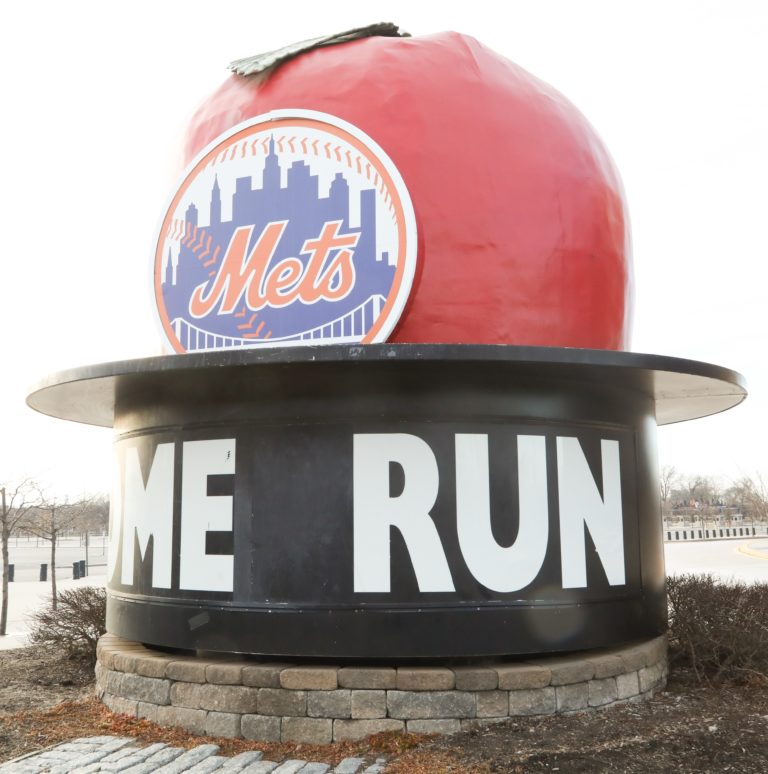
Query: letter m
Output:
(148,512)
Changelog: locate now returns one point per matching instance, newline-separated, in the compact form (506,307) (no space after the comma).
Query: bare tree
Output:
(95,515)
(16,503)
(49,519)
(668,478)
(751,494)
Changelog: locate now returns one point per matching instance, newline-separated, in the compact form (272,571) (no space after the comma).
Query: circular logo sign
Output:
(292,228)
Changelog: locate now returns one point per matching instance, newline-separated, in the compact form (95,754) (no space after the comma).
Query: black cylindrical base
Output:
(388,502)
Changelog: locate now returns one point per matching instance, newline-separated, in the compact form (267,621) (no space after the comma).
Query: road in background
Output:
(28,554)
(721,558)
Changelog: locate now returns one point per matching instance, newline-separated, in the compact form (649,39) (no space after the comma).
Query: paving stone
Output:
(352,730)
(214,763)
(492,704)
(260,767)
(75,761)
(239,762)
(290,767)
(572,697)
(315,768)
(147,689)
(445,726)
(229,698)
(149,750)
(142,767)
(566,669)
(79,747)
(330,704)
(186,695)
(376,768)
(155,762)
(276,701)
(349,766)
(627,685)
(309,678)
(513,677)
(367,704)
(602,691)
(187,670)
(180,717)
(142,753)
(476,678)
(539,701)
(260,729)
(425,679)
(225,673)
(188,759)
(367,677)
(418,705)
(307,730)
(226,724)
(263,675)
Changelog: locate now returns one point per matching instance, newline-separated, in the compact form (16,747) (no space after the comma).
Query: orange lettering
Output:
(235,276)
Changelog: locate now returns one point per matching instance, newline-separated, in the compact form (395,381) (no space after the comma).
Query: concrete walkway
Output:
(113,753)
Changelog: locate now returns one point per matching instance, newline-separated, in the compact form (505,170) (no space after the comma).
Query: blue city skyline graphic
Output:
(300,204)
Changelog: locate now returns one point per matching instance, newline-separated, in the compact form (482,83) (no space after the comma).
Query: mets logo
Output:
(292,228)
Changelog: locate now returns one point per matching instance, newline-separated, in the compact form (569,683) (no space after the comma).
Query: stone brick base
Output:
(271,702)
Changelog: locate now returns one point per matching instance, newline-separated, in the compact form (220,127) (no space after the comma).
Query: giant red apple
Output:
(523,235)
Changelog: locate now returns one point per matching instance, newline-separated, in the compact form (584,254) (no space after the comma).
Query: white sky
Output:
(95,98)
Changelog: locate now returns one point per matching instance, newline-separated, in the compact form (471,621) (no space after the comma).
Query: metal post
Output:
(11,569)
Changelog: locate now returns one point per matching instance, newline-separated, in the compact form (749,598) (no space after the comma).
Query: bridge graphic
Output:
(349,328)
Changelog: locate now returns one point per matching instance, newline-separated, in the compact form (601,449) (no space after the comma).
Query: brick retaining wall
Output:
(269,701)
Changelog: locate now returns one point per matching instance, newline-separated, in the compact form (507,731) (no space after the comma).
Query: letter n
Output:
(580,504)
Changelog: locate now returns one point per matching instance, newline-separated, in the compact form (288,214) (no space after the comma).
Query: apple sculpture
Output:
(523,234)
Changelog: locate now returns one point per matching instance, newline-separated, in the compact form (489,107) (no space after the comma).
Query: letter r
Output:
(375,512)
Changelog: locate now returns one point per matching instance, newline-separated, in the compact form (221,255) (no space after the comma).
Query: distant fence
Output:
(672,534)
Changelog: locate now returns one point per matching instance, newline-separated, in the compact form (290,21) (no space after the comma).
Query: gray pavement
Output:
(28,594)
(112,753)
(722,558)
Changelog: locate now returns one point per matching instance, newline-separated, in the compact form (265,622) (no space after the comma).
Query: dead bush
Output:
(719,628)
(76,624)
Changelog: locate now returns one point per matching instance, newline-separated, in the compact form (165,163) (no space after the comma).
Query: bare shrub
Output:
(75,624)
(719,628)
